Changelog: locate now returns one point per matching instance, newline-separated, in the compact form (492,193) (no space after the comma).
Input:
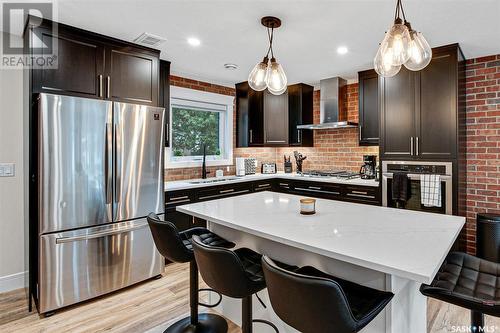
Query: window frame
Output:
(180,96)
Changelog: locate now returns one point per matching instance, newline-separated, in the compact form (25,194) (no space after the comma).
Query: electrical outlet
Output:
(7,170)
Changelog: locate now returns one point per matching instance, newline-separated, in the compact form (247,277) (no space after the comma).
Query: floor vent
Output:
(150,40)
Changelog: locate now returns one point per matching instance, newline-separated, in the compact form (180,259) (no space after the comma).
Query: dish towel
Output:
(430,190)
(400,186)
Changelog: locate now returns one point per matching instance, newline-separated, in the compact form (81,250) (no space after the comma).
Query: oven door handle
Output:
(416,176)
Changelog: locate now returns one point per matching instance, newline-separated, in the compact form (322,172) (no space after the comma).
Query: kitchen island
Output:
(379,247)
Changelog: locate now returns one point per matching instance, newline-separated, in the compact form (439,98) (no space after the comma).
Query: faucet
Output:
(204,165)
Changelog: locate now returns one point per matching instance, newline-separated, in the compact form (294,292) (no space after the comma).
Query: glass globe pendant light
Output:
(257,79)
(383,64)
(269,74)
(276,78)
(401,46)
(420,52)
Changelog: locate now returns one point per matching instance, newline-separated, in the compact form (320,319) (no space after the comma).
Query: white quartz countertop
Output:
(405,243)
(192,183)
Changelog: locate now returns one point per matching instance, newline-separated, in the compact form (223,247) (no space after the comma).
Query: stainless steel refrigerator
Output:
(100,172)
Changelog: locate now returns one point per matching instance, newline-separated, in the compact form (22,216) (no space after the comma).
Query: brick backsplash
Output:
(333,149)
(482,149)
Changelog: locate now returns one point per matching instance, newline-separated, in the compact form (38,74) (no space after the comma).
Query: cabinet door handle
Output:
(411,146)
(108,86)
(226,191)
(315,187)
(359,192)
(276,141)
(298,135)
(416,146)
(251,136)
(100,86)
(360,136)
(263,185)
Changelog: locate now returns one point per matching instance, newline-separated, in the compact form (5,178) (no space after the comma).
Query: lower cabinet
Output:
(342,192)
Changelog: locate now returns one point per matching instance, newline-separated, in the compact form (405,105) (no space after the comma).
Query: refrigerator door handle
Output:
(108,180)
(99,234)
(118,164)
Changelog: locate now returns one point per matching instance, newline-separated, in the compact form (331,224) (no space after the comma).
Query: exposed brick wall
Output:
(334,149)
(483,142)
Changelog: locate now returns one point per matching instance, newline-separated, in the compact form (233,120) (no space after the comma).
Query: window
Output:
(199,119)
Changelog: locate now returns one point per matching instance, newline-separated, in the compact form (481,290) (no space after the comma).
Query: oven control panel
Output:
(415,168)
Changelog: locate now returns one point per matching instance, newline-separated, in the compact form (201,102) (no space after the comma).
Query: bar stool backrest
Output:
(221,269)
(309,304)
(168,241)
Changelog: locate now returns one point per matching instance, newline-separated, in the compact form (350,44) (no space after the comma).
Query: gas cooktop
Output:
(343,174)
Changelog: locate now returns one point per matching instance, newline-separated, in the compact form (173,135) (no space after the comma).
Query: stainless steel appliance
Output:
(414,169)
(100,172)
(367,170)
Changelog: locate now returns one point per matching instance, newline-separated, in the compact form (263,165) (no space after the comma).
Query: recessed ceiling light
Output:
(230,66)
(342,50)
(193,41)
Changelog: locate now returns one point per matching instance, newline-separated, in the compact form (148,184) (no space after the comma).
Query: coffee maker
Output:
(368,170)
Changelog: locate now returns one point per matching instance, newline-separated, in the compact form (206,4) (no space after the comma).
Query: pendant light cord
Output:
(399,10)
(270,35)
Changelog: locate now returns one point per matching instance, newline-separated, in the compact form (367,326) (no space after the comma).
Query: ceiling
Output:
(306,44)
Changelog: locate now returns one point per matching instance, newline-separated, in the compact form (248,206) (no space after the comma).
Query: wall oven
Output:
(414,169)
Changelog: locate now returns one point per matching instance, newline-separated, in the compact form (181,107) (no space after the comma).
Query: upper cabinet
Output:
(368,108)
(419,110)
(263,119)
(164,96)
(300,112)
(275,119)
(95,66)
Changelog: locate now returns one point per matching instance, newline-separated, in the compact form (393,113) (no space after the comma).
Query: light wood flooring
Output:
(149,306)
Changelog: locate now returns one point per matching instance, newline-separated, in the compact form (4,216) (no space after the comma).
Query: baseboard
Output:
(12,282)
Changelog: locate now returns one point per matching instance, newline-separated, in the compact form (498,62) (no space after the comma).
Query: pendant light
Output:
(401,46)
(269,73)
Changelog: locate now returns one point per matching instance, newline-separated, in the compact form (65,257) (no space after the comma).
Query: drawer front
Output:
(263,186)
(362,194)
(176,198)
(321,190)
(283,186)
(219,192)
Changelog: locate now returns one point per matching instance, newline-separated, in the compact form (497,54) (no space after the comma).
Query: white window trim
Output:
(192,95)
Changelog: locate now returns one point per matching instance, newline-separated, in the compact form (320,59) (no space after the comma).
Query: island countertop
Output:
(405,243)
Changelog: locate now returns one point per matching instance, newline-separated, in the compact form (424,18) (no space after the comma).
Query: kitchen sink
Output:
(209,181)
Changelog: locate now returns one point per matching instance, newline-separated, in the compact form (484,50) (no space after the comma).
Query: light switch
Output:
(7,170)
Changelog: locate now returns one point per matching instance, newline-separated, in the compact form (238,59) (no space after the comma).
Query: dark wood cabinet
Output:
(300,112)
(164,96)
(80,65)
(398,115)
(368,108)
(95,66)
(250,116)
(419,110)
(132,75)
(437,107)
(275,119)
(264,119)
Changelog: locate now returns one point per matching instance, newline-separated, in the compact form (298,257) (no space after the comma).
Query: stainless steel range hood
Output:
(333,109)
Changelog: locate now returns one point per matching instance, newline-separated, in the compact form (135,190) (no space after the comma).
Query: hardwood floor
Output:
(150,306)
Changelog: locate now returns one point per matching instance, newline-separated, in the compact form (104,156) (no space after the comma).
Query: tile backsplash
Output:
(333,149)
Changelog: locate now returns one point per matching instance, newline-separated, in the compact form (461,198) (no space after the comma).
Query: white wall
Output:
(11,188)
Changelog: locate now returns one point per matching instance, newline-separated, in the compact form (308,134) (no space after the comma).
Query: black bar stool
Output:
(312,301)
(176,247)
(469,282)
(236,274)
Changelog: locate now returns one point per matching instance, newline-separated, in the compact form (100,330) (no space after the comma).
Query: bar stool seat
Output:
(312,301)
(469,282)
(177,247)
